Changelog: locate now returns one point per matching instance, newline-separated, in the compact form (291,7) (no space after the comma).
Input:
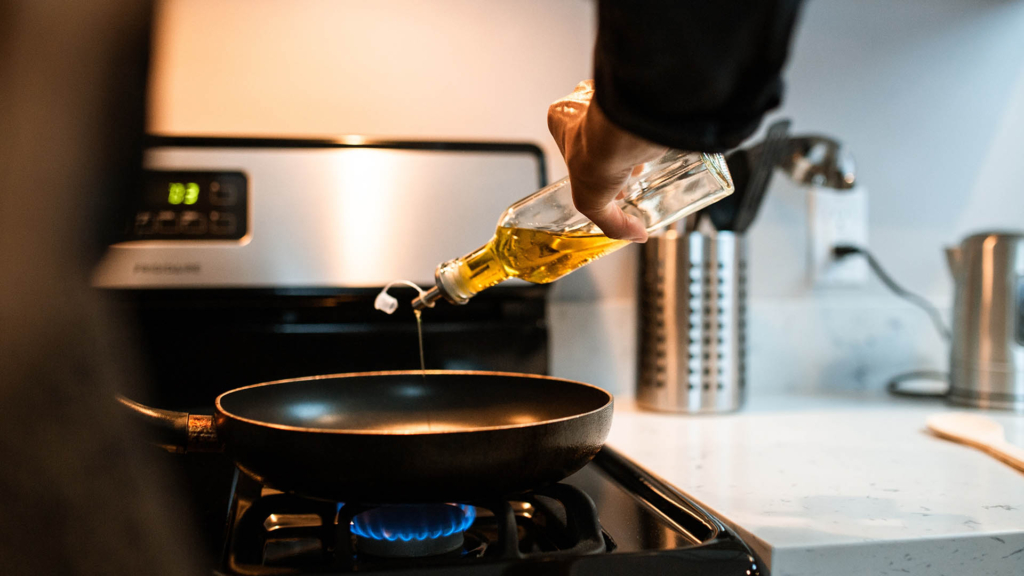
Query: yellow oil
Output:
(537,256)
(419,333)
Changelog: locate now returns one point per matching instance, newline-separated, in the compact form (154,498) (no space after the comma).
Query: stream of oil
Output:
(419,332)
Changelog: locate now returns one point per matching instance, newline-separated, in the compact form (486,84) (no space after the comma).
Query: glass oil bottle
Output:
(543,237)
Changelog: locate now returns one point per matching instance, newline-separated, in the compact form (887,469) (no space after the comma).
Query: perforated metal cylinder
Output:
(692,340)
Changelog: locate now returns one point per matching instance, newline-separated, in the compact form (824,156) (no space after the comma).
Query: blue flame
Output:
(413,521)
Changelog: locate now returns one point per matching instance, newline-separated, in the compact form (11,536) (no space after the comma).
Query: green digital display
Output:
(191,205)
(182,193)
(176,192)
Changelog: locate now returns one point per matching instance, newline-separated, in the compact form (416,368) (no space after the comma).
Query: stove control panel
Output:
(179,205)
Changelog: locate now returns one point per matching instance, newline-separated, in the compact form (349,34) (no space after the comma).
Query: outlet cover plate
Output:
(837,218)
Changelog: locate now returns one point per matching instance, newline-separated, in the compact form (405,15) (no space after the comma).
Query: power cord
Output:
(895,384)
(920,302)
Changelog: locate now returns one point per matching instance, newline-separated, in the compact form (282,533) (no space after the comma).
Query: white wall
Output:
(445,69)
(928,94)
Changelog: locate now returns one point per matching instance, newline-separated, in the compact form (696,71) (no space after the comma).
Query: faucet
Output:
(815,159)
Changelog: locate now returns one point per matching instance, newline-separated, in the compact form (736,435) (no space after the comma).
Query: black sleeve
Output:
(693,75)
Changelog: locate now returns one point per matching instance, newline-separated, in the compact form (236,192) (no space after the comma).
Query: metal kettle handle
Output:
(954,259)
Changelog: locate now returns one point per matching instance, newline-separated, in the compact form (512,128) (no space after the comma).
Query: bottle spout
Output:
(426,299)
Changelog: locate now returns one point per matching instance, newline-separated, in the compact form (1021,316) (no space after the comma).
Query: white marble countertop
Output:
(841,485)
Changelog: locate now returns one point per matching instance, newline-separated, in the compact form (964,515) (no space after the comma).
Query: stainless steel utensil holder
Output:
(692,324)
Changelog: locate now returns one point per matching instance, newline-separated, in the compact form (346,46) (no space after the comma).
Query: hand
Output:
(600,157)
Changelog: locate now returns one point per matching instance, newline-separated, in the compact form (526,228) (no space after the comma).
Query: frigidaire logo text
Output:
(169,268)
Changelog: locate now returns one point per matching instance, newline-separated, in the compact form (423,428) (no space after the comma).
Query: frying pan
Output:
(392,437)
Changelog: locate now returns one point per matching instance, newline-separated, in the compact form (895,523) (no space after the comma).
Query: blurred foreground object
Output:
(81,498)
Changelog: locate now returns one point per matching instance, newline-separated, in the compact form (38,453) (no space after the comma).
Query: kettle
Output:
(987,353)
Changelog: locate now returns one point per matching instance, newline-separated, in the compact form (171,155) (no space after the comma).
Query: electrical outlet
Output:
(837,218)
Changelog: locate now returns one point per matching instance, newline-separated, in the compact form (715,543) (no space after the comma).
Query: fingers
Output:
(596,202)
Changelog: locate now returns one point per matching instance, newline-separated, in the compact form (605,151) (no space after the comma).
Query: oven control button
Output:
(167,222)
(223,194)
(192,222)
(222,223)
(144,223)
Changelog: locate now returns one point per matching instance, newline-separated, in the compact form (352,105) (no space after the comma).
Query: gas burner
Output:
(412,530)
(645,527)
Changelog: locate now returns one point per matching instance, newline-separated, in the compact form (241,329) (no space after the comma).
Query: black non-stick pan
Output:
(389,437)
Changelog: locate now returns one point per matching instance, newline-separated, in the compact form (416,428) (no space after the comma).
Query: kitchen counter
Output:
(841,485)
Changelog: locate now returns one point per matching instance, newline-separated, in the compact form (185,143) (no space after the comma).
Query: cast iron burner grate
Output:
(646,527)
(274,530)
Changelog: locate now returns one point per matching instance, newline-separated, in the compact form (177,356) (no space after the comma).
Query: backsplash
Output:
(928,95)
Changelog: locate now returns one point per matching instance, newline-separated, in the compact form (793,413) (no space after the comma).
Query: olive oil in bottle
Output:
(537,256)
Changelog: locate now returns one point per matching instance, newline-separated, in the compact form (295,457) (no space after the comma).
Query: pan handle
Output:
(177,432)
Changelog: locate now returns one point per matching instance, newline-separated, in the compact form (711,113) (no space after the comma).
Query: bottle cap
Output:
(387,303)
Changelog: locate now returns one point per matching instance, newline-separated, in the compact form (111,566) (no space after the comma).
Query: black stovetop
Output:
(611,517)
